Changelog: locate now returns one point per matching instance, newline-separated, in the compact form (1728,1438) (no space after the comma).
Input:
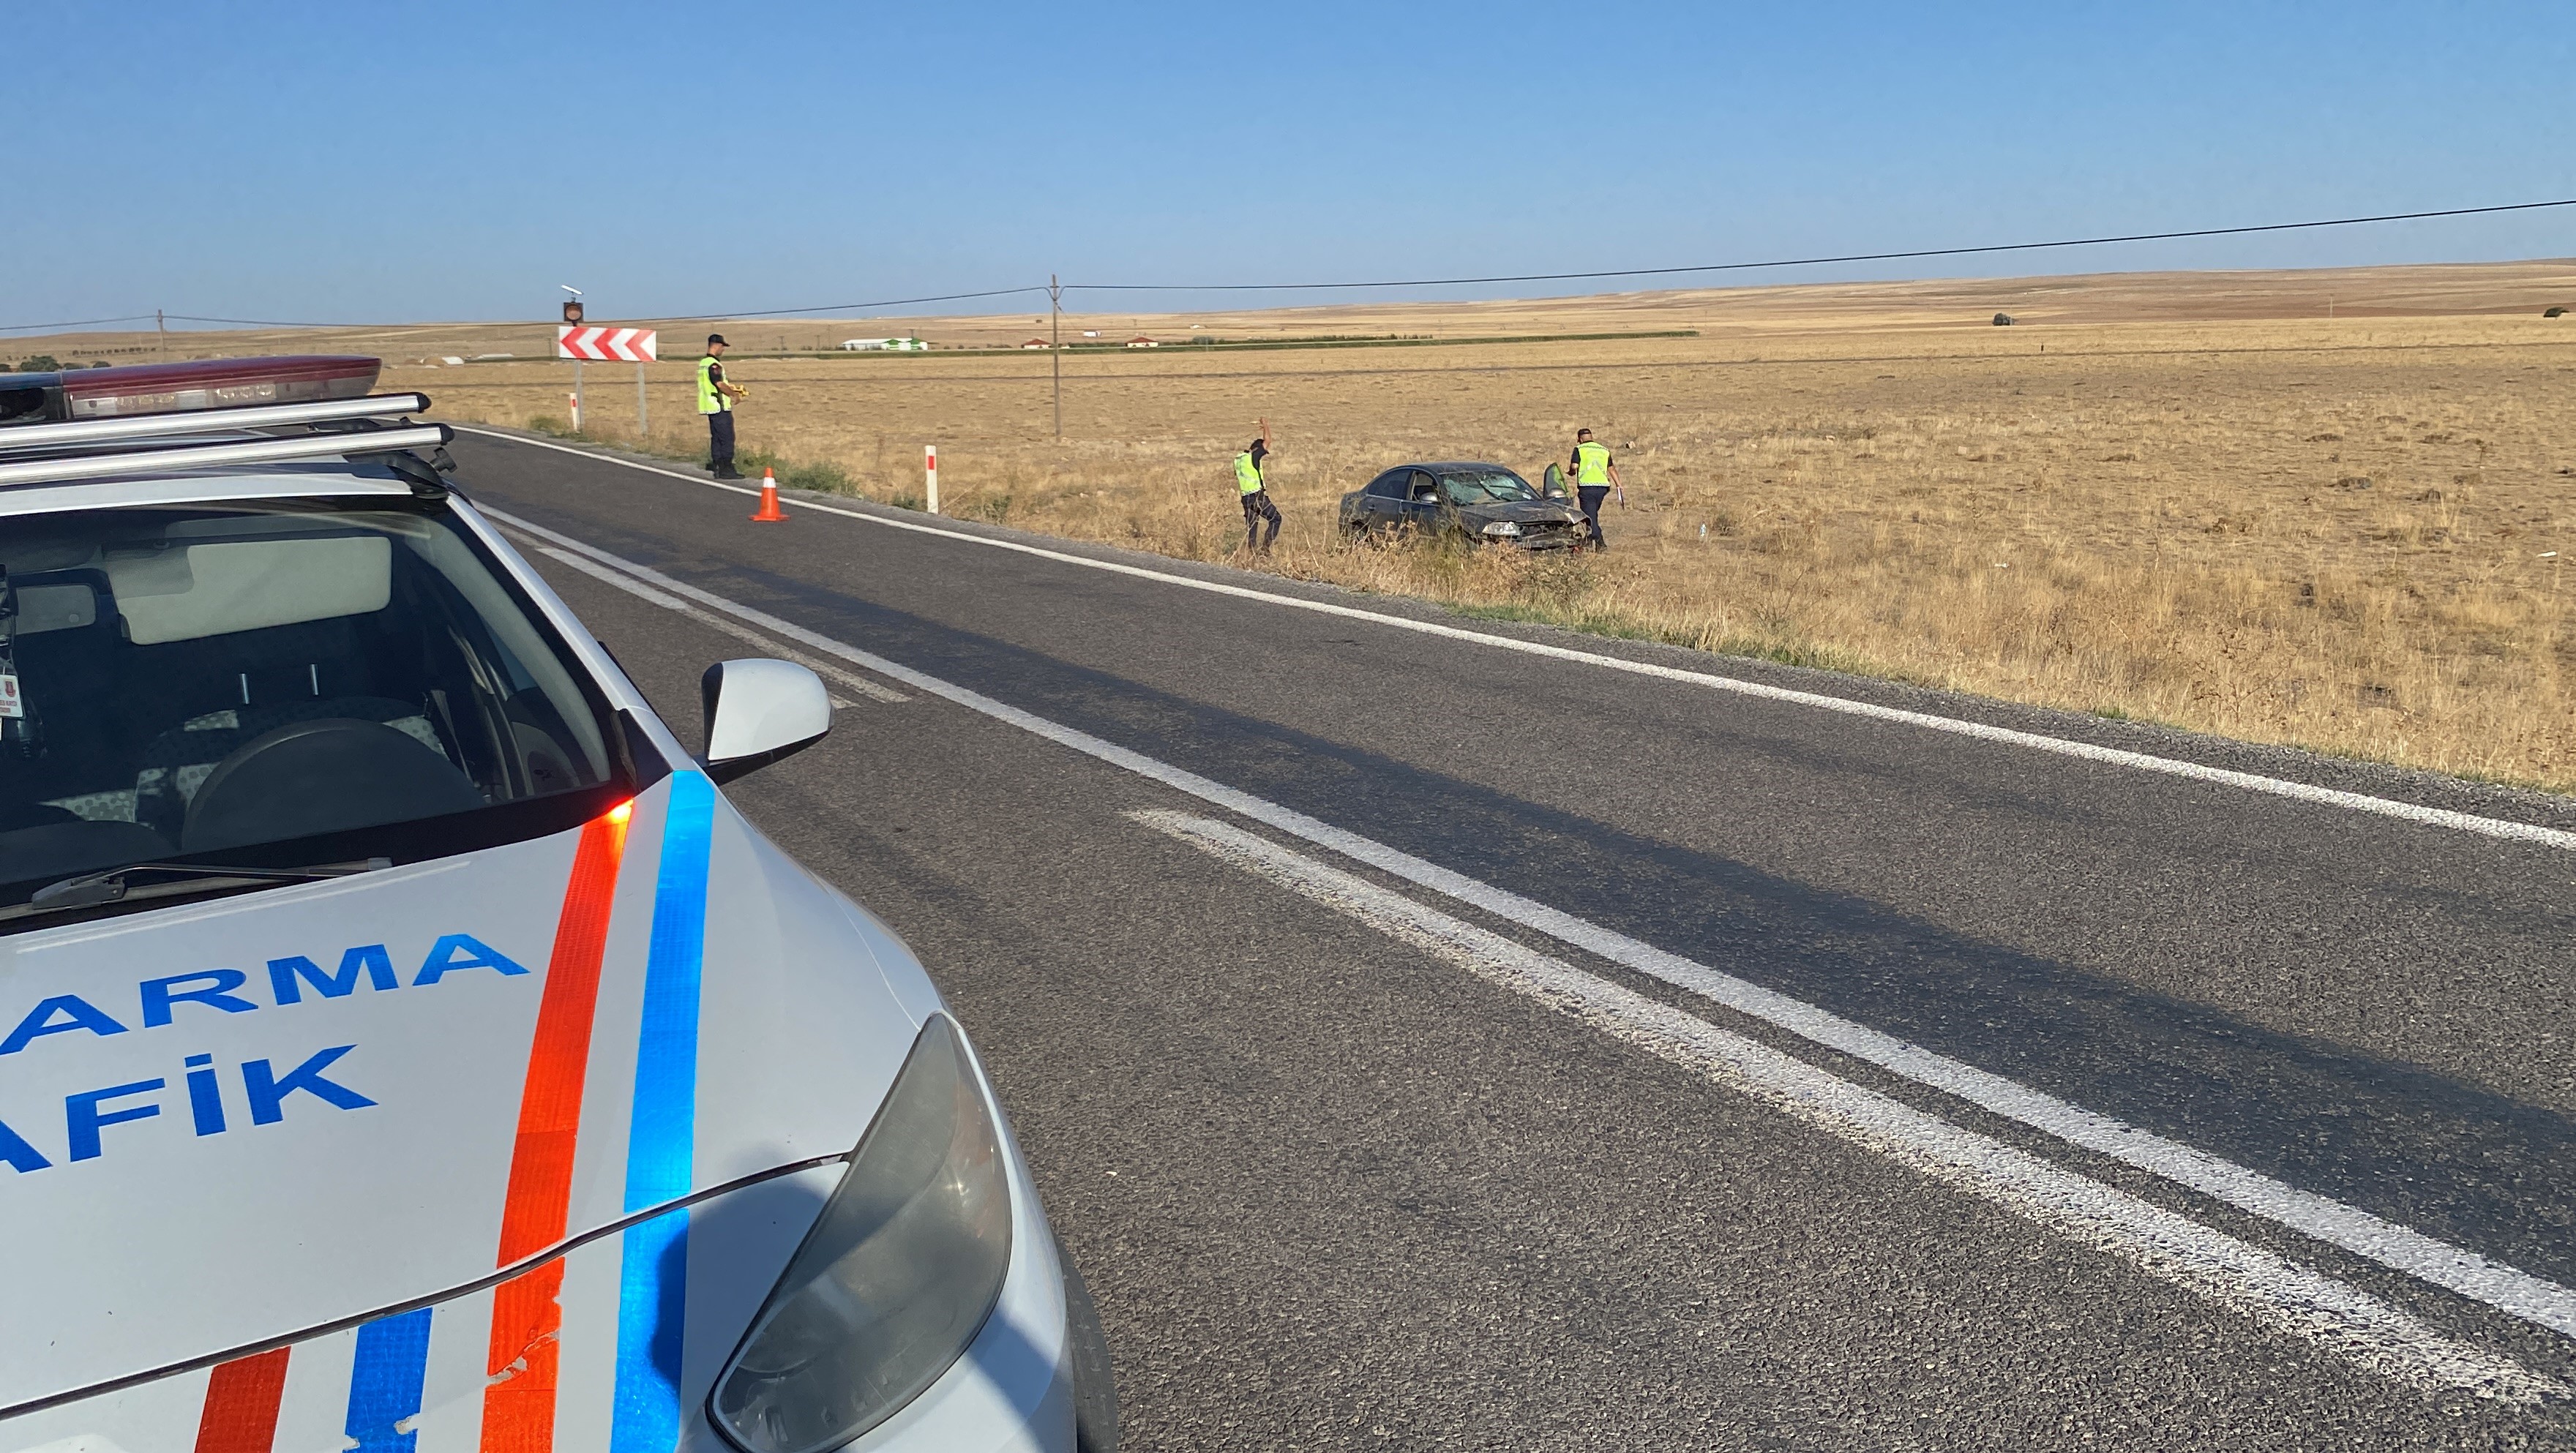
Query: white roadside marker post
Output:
(930,469)
(575,396)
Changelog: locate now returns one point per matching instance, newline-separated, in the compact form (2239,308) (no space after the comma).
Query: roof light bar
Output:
(177,388)
(208,421)
(207,456)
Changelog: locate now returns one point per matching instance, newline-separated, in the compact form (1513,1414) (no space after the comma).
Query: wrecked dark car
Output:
(1462,501)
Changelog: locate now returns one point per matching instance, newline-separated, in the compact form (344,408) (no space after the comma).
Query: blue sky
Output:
(376,162)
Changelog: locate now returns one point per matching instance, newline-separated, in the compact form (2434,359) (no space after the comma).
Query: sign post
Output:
(638,346)
(572,315)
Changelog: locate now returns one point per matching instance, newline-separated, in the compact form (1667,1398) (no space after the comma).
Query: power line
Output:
(648,318)
(841,307)
(1549,277)
(277,323)
(1528,277)
(75,323)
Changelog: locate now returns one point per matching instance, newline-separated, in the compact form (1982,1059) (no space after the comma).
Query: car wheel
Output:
(1095,1391)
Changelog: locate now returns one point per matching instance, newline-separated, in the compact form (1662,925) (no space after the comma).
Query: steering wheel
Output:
(329,774)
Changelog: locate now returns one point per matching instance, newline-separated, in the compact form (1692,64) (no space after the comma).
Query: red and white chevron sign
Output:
(608,345)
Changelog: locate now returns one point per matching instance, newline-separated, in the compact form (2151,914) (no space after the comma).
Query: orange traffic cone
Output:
(769,514)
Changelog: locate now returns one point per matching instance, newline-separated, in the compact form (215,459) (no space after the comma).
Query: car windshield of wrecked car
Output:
(1486,486)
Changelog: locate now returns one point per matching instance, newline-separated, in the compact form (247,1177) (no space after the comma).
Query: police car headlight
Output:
(1503,528)
(896,1277)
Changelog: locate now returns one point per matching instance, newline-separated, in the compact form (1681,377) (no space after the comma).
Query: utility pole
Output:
(1055,347)
(161,322)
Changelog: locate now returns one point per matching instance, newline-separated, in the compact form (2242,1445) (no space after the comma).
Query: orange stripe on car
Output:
(241,1404)
(527,1312)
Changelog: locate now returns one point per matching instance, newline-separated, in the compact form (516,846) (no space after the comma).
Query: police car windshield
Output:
(1485,486)
(284,683)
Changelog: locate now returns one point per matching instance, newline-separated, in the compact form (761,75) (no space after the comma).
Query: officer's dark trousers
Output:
(720,441)
(1591,496)
(1256,508)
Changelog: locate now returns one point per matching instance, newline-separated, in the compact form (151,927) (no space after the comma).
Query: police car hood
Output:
(255,1119)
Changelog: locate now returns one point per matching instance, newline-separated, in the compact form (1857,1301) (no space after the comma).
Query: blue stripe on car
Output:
(384,1385)
(653,1282)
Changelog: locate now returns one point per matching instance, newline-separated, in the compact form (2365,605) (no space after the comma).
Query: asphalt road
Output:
(1343,1176)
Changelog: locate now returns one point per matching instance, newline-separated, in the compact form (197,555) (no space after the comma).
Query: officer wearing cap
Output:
(716,394)
(1251,486)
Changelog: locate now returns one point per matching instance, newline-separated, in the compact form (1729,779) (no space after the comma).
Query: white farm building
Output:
(884,345)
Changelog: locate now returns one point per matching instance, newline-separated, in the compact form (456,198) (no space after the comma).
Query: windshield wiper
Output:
(108,886)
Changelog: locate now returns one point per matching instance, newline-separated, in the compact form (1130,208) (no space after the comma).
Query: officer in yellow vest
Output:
(1256,498)
(1594,477)
(716,394)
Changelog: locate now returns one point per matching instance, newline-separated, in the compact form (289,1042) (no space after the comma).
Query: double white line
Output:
(2335,1316)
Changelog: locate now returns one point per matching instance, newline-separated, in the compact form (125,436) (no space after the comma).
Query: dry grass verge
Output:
(2323,534)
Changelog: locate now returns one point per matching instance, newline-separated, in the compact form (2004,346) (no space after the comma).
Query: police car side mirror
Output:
(759,711)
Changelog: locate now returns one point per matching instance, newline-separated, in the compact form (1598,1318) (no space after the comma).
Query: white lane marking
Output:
(825,669)
(2494,827)
(645,593)
(2400,1248)
(2337,1317)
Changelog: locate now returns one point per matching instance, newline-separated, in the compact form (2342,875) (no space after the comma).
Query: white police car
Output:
(403,1045)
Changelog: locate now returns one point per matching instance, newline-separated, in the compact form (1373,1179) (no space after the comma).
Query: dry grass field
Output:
(2195,499)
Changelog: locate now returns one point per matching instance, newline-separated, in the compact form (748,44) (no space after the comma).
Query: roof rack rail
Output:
(19,438)
(334,445)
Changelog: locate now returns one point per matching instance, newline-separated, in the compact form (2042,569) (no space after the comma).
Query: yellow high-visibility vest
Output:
(1247,474)
(711,400)
(1591,464)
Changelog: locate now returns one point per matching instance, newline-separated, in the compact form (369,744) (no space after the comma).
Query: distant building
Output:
(1035,343)
(1141,341)
(884,345)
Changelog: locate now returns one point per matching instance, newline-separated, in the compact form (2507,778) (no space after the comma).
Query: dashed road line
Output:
(2338,1318)
(2400,1248)
(2493,827)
